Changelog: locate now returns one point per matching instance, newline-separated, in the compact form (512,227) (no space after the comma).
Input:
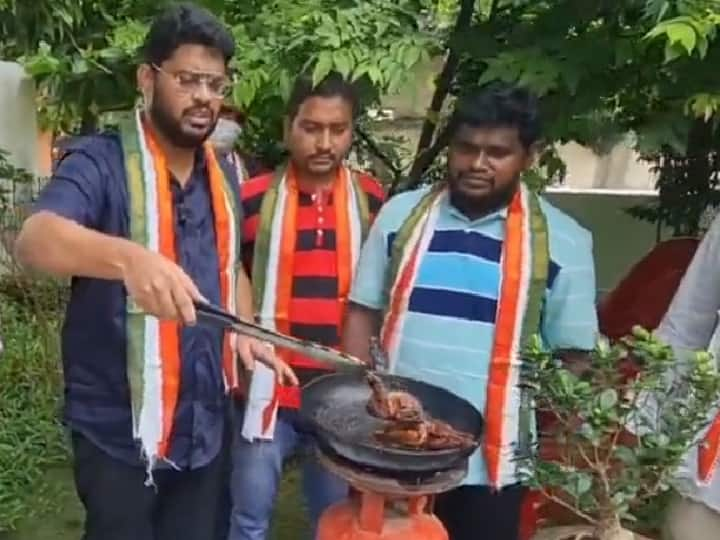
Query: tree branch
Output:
(442,88)
(424,160)
(581,451)
(602,472)
(378,153)
(562,502)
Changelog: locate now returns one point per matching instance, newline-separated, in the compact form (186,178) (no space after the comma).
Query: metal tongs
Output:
(219,317)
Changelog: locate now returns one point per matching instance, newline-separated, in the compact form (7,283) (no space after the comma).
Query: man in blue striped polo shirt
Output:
(449,323)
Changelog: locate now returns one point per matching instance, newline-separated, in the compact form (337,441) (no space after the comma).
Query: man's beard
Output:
(479,206)
(172,130)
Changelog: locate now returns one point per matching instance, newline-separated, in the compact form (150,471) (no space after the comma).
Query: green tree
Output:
(82,53)
(605,70)
(602,68)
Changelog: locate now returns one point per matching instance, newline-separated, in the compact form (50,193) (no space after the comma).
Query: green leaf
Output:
(332,38)
(375,74)
(626,455)
(411,56)
(79,66)
(577,483)
(684,34)
(681,35)
(37,66)
(608,399)
(342,62)
(382,27)
(360,70)
(323,67)
(111,53)
(485,7)
(587,431)
(702,46)
(65,16)
(567,381)
(584,483)
(284,85)
(244,93)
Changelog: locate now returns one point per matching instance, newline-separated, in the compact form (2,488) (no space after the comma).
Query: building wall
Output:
(619,240)
(18,127)
(18,124)
(618,169)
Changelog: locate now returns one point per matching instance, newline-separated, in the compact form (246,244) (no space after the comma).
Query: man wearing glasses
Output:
(145,222)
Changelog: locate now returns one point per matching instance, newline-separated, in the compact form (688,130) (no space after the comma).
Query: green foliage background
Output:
(604,69)
(30,436)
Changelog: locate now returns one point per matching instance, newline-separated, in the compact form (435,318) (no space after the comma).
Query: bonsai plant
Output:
(587,461)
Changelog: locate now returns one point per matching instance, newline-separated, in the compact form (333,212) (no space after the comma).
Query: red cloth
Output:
(644,295)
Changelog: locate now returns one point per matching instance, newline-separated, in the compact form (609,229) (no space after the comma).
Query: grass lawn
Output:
(65,523)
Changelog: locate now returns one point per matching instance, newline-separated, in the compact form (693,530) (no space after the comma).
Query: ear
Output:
(145,78)
(532,153)
(287,124)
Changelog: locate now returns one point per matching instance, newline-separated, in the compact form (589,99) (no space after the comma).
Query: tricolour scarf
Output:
(273,268)
(709,453)
(525,259)
(153,345)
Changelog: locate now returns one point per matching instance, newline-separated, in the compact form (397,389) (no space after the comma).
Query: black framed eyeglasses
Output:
(192,82)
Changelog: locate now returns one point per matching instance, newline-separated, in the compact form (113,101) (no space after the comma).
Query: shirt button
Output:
(321,220)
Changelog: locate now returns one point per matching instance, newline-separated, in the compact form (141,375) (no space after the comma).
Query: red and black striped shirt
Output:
(315,309)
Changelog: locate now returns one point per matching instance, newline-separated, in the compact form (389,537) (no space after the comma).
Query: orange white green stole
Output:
(273,270)
(525,260)
(153,345)
(709,453)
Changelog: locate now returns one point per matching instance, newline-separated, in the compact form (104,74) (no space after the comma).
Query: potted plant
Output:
(586,460)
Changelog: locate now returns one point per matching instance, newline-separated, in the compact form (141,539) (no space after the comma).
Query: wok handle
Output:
(215,315)
(219,317)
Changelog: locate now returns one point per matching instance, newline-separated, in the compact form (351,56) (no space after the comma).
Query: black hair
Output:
(185,24)
(499,105)
(333,85)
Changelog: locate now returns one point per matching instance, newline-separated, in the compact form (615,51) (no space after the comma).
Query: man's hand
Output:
(159,286)
(250,350)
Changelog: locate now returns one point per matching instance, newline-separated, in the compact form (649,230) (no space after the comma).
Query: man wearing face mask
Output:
(456,277)
(145,221)
(224,137)
(302,230)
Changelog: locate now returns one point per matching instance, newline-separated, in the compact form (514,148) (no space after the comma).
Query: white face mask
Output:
(225,134)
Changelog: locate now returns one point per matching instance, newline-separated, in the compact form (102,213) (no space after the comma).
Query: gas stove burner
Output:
(409,477)
(387,482)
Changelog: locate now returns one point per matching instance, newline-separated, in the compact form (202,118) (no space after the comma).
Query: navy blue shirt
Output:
(89,187)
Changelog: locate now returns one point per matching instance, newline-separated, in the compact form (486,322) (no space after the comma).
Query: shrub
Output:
(30,434)
(596,468)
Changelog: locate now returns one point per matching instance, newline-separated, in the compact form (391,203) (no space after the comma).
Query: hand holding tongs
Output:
(219,317)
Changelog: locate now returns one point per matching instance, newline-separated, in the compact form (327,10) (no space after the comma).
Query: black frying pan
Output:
(334,408)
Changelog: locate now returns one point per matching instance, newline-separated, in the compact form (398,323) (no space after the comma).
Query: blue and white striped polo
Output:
(447,337)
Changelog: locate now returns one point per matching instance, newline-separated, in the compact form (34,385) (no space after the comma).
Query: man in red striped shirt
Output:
(303,228)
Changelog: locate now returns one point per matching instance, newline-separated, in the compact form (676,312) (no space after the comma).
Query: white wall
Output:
(18,123)
(619,240)
(617,170)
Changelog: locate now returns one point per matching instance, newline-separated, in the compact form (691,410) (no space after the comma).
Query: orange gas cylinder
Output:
(372,516)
